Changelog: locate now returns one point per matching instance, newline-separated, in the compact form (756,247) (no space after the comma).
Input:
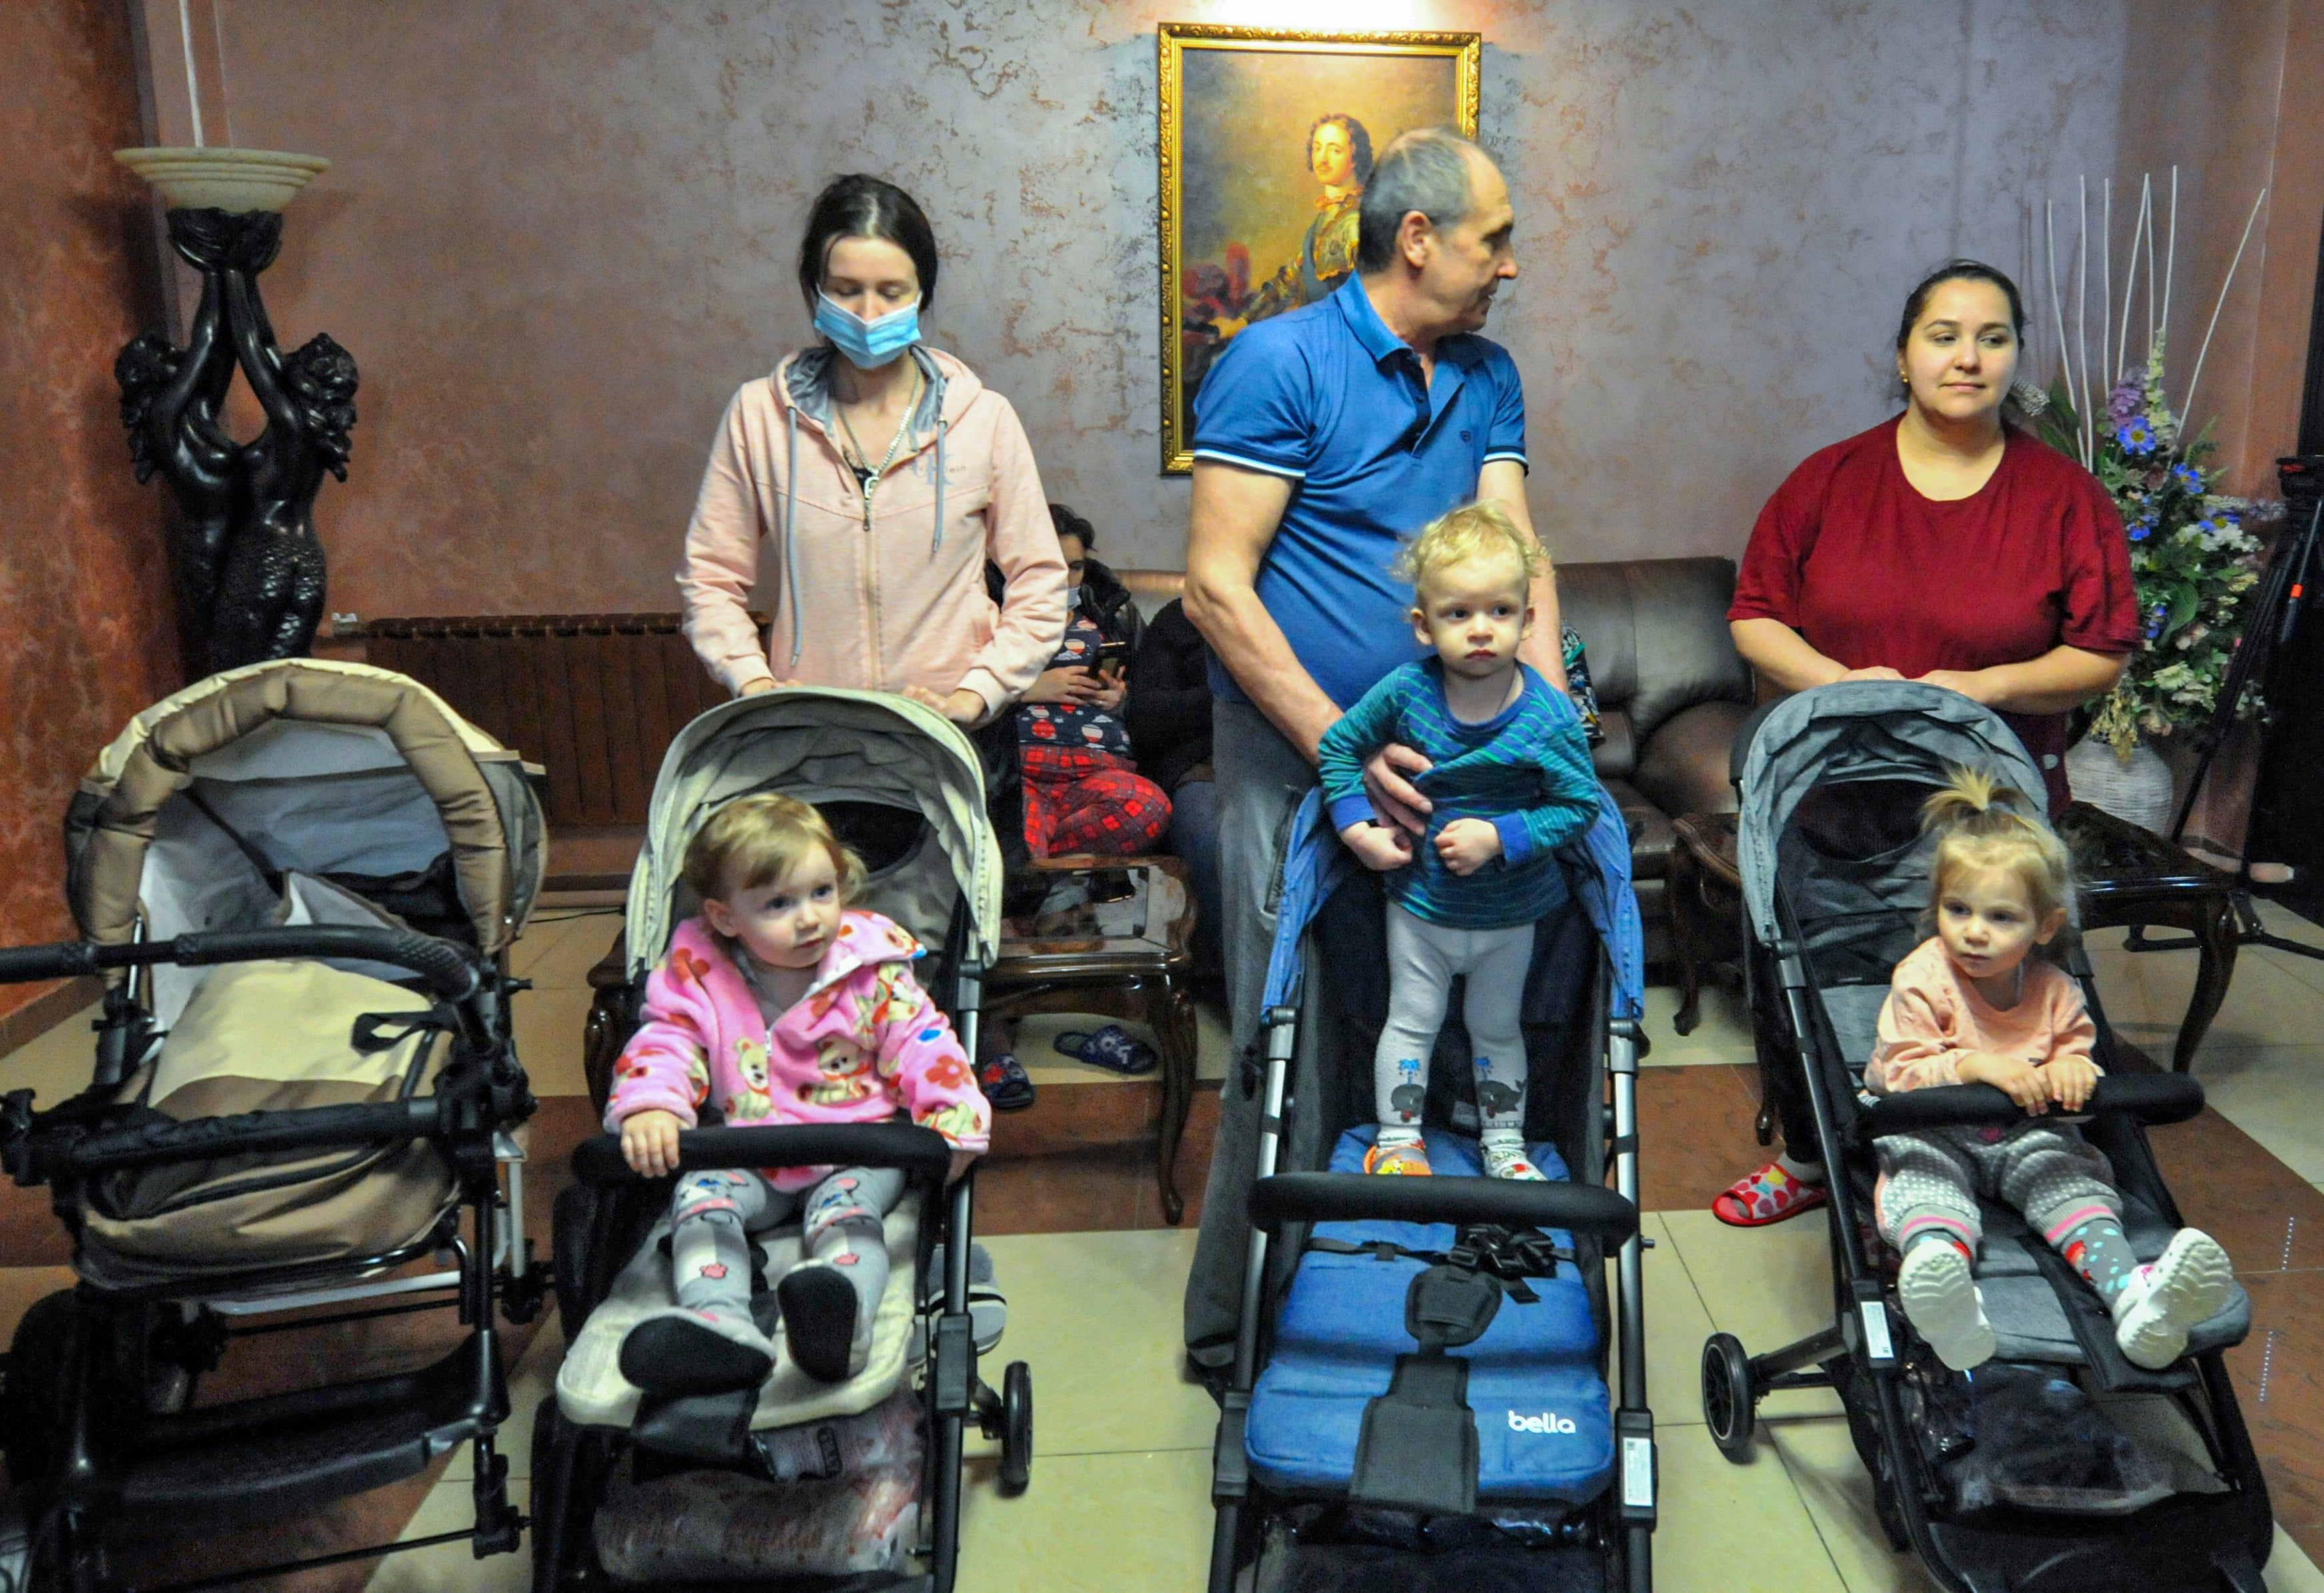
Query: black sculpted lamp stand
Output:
(250,571)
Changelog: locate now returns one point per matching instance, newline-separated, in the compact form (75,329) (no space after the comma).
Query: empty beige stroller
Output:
(297,879)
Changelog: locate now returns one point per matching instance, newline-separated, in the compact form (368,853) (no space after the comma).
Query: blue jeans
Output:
(1193,839)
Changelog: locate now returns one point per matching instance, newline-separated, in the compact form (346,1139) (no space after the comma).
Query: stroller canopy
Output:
(828,746)
(195,814)
(1598,871)
(1854,731)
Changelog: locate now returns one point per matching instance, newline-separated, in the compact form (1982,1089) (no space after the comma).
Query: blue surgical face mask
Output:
(868,344)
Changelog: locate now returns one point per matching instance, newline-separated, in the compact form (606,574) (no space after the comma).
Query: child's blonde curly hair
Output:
(1982,825)
(1470,532)
(755,840)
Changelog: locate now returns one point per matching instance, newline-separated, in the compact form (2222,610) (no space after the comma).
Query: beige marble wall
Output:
(559,234)
(85,636)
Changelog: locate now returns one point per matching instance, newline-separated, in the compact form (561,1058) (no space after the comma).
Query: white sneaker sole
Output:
(2189,1285)
(1941,1300)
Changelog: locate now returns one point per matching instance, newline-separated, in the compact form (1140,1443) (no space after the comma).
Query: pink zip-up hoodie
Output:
(883,598)
(864,1043)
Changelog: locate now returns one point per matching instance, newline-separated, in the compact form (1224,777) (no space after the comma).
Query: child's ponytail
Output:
(1981,824)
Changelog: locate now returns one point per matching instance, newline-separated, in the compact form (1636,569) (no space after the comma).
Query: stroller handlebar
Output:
(451,973)
(919,1152)
(1358,1197)
(312,1128)
(2149,1097)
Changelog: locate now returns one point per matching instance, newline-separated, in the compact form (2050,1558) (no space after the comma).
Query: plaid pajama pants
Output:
(1080,800)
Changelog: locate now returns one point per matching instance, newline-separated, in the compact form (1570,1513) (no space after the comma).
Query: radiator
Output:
(593,698)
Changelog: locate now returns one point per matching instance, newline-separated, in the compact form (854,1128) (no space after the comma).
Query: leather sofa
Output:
(1672,691)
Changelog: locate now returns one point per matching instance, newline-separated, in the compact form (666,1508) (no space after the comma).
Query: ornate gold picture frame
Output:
(1267,138)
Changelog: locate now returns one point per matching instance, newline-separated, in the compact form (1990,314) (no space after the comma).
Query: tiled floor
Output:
(1119,1500)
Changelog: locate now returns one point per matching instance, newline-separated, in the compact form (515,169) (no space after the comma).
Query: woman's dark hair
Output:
(858,206)
(1359,143)
(1959,271)
(1070,524)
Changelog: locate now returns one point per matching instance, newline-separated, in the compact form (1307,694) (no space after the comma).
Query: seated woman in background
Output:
(1083,790)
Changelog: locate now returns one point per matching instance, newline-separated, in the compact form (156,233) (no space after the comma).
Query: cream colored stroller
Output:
(297,879)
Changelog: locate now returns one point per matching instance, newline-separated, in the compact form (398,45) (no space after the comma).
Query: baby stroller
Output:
(1419,1393)
(2058,1465)
(796,1482)
(296,878)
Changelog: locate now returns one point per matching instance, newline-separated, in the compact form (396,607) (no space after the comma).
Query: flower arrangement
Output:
(2190,559)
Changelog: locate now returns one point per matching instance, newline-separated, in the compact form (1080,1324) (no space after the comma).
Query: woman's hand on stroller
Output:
(765,683)
(1378,847)
(960,705)
(649,1141)
(1467,845)
(2021,1082)
(2070,1081)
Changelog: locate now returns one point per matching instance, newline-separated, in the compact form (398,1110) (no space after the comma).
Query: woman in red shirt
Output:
(1945,546)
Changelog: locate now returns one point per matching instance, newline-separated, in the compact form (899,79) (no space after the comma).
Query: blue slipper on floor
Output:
(1112,1048)
(1005,1084)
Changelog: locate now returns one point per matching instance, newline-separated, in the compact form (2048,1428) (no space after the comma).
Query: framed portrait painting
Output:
(1267,142)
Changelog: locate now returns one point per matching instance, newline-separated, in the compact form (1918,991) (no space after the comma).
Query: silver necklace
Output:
(871,479)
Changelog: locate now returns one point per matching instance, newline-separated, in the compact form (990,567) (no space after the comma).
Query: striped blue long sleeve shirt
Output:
(1526,770)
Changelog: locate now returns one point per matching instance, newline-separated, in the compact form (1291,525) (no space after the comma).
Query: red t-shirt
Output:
(1870,573)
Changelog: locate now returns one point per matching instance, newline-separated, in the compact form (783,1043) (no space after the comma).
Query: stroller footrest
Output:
(266,1469)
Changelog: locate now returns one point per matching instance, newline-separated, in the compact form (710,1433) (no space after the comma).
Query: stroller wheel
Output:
(1730,1402)
(1017,1427)
(35,1373)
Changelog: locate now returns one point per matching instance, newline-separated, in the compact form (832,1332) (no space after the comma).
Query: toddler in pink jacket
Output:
(780,1005)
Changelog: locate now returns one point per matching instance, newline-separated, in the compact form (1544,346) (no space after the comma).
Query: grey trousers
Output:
(1260,781)
(1423,958)
(2053,1177)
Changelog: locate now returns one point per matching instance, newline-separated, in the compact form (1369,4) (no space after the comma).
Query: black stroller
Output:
(797,1483)
(1419,1397)
(2058,1466)
(297,1101)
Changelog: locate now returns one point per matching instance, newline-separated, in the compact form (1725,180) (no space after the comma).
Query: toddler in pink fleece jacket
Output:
(780,1005)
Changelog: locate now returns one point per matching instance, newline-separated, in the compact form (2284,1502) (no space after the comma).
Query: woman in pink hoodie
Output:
(879,475)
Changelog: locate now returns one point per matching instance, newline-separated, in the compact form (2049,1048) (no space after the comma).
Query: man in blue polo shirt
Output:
(1323,439)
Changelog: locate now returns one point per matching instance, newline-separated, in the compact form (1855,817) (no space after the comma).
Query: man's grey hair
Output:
(1425,170)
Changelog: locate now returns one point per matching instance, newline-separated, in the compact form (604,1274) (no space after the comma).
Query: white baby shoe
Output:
(1941,1300)
(2186,1285)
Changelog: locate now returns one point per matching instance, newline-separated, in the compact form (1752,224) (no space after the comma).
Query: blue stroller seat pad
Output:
(1544,1428)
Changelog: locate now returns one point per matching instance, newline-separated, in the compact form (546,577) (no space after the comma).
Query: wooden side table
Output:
(1131,962)
(1704,891)
(2130,877)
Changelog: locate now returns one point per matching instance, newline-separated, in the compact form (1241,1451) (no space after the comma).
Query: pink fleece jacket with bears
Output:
(864,1043)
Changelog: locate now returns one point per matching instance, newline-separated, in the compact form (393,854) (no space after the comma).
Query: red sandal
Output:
(1767,1196)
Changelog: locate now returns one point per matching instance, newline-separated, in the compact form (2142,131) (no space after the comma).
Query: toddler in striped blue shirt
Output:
(1510,781)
